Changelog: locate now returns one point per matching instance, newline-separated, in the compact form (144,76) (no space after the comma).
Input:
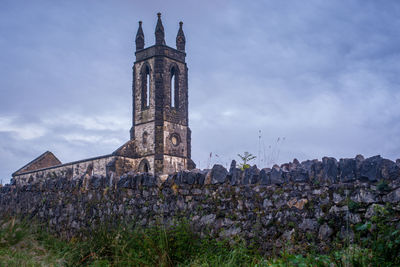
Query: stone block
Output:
(347,170)
(218,174)
(299,175)
(124,182)
(97,182)
(265,178)
(308,225)
(393,197)
(235,176)
(389,170)
(200,177)
(330,169)
(251,175)
(191,178)
(370,169)
(324,232)
(276,175)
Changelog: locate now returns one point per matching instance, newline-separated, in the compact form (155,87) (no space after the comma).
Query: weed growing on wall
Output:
(381,237)
(245,158)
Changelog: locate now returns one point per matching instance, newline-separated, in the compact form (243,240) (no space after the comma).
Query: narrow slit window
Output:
(147,88)
(173,88)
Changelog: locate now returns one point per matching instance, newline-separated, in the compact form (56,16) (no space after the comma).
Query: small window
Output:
(145,87)
(174,86)
(144,139)
(144,166)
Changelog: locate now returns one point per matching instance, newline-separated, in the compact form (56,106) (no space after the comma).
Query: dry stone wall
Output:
(302,204)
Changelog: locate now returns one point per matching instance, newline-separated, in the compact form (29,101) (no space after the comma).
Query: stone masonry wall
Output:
(102,166)
(298,203)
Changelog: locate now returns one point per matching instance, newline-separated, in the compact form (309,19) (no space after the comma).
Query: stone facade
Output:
(160,101)
(296,205)
(160,137)
(109,165)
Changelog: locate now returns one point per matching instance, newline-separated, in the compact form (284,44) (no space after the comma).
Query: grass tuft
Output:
(23,244)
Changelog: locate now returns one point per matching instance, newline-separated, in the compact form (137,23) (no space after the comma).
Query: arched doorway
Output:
(144,166)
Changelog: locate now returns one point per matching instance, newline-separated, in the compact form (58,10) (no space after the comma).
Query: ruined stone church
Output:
(160,138)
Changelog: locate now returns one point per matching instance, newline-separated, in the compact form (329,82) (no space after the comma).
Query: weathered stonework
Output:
(171,130)
(144,135)
(304,205)
(160,113)
(174,164)
(104,166)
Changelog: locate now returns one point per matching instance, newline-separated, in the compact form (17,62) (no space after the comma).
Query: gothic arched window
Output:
(144,166)
(174,86)
(145,87)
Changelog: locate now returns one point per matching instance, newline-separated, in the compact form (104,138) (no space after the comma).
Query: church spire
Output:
(180,38)
(159,31)
(139,37)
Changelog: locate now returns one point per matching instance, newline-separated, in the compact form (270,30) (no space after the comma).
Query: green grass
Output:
(23,244)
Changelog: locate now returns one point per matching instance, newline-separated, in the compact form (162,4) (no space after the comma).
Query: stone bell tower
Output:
(160,128)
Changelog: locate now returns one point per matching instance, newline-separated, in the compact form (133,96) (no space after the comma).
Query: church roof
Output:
(45,160)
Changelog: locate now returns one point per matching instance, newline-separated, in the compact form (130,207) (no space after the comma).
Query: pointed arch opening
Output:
(145,73)
(144,166)
(174,87)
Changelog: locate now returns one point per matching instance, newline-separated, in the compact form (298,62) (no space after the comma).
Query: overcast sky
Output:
(317,78)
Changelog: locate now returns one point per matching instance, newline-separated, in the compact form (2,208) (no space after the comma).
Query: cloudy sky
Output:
(316,78)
